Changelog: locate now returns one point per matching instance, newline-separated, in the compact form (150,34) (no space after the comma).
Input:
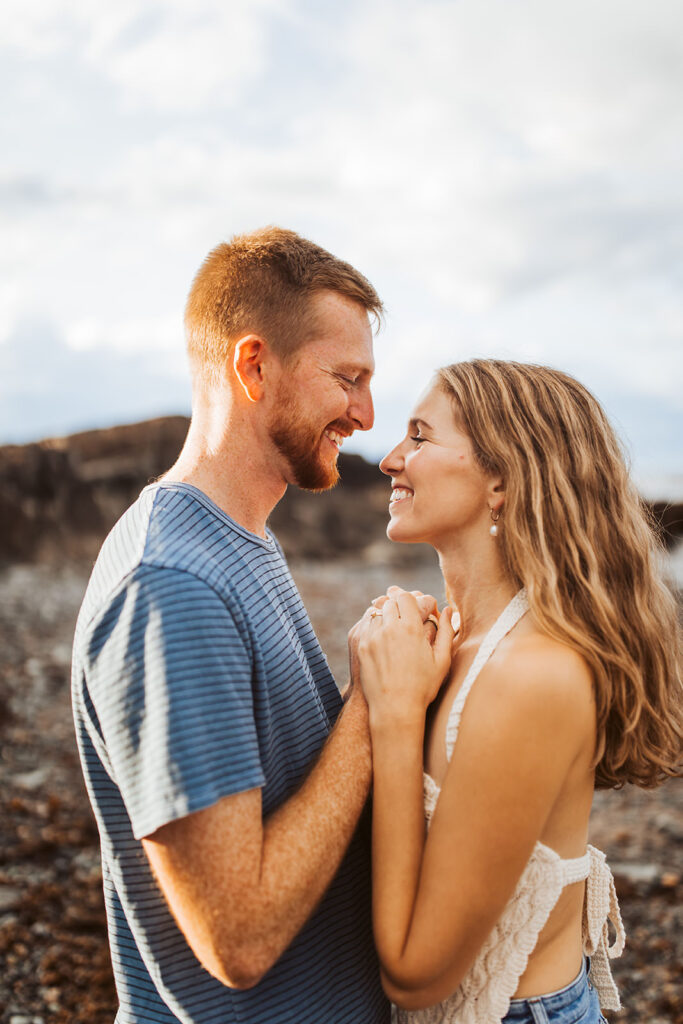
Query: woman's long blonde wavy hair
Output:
(576,534)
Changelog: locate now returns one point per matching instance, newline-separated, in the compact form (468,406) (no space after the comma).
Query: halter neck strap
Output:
(508,618)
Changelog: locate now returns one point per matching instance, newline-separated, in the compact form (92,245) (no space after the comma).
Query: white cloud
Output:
(507,174)
(180,57)
(47,388)
(168,55)
(148,335)
(514,139)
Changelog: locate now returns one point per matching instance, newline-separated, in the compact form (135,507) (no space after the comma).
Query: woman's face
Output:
(439,491)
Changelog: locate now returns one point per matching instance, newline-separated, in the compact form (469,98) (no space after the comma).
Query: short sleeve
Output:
(169,672)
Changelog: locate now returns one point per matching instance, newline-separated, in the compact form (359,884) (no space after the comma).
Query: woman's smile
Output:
(399,493)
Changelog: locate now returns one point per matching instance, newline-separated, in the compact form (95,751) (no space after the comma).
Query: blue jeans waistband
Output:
(550,1005)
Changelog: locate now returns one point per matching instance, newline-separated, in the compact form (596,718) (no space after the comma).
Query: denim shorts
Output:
(576,1003)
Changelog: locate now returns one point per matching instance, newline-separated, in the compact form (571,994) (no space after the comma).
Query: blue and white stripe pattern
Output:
(197,674)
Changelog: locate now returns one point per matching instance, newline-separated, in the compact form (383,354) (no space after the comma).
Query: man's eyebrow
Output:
(353,369)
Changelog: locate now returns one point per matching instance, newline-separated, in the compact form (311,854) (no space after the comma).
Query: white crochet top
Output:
(484,994)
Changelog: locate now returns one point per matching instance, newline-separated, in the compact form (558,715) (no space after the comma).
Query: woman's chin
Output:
(400,535)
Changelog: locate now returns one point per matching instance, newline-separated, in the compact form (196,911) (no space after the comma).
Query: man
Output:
(226,776)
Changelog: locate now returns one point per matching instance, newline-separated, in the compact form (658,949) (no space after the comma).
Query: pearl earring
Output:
(493,529)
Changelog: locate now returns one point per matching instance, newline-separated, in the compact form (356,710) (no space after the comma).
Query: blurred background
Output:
(508,175)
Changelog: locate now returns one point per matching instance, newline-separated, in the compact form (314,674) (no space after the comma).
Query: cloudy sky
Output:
(508,174)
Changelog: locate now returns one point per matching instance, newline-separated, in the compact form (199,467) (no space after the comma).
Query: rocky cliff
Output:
(59,497)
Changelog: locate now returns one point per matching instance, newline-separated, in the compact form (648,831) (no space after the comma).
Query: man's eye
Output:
(347,382)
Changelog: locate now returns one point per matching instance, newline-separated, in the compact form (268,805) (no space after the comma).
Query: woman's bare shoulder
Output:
(536,674)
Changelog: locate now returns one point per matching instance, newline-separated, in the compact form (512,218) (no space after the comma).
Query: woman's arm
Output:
(435,900)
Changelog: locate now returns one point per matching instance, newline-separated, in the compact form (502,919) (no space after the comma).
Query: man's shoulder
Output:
(174,530)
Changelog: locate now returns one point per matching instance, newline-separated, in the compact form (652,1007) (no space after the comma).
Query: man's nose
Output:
(362,410)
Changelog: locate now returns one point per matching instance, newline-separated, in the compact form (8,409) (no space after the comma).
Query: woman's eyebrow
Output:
(418,424)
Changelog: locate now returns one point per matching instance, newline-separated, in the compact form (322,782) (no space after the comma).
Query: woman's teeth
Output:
(399,493)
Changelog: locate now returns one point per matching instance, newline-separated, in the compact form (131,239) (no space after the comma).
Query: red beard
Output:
(300,443)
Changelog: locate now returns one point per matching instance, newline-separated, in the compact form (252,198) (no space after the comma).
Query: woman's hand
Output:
(429,611)
(401,670)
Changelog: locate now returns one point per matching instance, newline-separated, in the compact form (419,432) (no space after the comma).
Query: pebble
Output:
(10,898)
(32,780)
(637,874)
(61,654)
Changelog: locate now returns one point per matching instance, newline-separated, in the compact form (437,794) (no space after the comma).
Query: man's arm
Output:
(241,888)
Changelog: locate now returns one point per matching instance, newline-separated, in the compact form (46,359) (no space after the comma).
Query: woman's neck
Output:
(478,586)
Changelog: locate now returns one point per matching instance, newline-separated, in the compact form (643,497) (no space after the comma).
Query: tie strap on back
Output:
(601,907)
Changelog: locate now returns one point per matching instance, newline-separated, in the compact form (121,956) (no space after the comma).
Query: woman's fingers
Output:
(408,608)
(359,629)
(430,628)
(443,643)
(390,611)
(403,654)
(426,603)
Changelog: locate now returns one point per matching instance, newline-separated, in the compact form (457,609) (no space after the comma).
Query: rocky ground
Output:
(54,964)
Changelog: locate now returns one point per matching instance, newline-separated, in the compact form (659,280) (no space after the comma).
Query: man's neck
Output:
(224,460)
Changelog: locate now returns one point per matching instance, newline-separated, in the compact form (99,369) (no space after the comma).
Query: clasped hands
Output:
(400,651)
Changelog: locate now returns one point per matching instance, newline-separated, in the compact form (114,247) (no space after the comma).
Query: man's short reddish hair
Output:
(262,283)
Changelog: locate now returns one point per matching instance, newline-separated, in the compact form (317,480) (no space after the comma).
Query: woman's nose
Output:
(392,462)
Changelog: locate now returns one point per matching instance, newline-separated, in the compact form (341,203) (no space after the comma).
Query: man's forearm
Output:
(305,839)
(241,888)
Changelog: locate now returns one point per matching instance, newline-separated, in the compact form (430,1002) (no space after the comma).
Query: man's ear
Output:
(247,363)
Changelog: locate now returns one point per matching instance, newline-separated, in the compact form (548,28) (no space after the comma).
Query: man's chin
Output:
(315,476)
(312,461)
(322,479)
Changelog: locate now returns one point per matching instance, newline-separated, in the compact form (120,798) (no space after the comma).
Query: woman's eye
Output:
(418,439)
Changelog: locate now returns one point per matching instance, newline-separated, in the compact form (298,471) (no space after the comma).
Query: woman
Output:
(562,676)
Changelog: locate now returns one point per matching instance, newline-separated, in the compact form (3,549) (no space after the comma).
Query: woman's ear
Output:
(247,364)
(496,494)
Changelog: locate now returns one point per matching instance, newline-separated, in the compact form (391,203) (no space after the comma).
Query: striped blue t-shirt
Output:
(197,674)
